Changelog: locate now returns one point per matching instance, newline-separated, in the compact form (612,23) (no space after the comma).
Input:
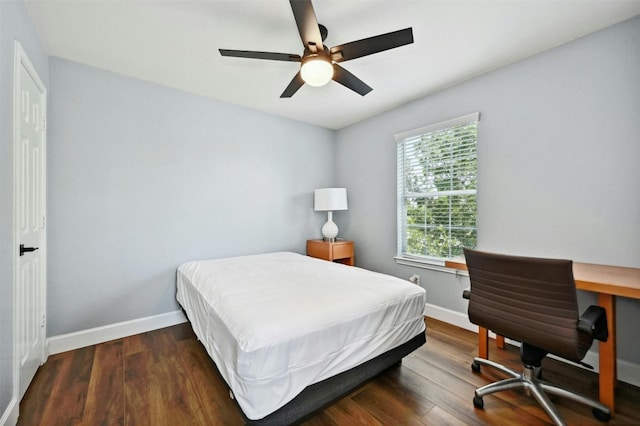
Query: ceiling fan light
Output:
(316,71)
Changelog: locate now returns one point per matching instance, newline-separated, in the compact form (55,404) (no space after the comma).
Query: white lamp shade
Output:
(330,199)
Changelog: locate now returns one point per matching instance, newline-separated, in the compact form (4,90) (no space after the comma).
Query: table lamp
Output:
(330,200)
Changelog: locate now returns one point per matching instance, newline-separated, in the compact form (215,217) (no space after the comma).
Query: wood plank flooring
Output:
(165,377)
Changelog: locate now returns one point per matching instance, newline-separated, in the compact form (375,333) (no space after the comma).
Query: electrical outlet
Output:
(415,279)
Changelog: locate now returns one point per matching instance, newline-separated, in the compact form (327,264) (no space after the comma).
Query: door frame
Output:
(21,59)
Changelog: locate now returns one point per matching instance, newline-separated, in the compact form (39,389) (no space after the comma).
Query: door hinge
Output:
(44,320)
(43,125)
(44,221)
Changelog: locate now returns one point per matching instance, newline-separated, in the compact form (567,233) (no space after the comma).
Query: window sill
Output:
(431,264)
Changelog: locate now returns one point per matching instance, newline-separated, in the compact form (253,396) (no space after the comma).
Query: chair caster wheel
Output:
(603,416)
(478,402)
(475,367)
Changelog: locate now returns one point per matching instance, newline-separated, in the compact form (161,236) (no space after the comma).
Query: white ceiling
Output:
(175,43)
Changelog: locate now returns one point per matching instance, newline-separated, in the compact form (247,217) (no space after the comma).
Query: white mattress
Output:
(276,323)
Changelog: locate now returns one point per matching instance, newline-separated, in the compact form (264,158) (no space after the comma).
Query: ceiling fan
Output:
(319,64)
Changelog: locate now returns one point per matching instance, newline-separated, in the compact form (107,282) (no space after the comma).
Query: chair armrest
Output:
(594,322)
(466,294)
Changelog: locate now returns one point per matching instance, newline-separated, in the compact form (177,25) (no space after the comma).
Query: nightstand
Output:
(340,251)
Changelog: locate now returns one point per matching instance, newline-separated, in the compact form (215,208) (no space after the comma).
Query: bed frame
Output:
(322,394)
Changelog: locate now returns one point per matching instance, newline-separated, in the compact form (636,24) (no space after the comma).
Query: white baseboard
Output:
(627,372)
(93,336)
(10,415)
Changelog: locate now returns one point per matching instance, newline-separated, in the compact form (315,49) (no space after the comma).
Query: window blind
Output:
(437,181)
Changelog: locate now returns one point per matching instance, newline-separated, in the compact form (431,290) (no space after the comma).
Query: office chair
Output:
(533,301)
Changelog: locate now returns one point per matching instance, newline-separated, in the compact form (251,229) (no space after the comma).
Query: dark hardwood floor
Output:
(165,377)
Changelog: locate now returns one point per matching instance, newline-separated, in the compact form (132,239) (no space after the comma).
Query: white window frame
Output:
(402,257)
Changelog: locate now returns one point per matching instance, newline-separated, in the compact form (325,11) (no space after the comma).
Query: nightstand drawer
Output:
(341,251)
(338,251)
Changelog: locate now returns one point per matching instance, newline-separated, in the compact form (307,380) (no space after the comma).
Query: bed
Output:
(290,333)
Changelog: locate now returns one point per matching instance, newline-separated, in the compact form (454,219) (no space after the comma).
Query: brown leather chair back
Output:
(531,300)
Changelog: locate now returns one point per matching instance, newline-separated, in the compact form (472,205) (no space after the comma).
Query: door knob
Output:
(24,249)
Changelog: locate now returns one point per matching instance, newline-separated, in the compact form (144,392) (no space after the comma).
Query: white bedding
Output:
(276,323)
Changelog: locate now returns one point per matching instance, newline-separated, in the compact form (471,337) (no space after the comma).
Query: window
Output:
(437,168)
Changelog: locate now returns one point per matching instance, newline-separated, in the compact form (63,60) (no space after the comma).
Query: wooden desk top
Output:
(614,280)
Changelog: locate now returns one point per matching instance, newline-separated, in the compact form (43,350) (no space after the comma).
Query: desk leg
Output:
(608,360)
(483,343)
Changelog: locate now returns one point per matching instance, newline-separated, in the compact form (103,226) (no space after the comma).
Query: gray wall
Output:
(143,178)
(558,156)
(15,24)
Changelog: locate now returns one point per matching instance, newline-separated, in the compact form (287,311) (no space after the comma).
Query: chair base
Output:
(529,380)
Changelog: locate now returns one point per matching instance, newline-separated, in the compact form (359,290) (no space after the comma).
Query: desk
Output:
(608,282)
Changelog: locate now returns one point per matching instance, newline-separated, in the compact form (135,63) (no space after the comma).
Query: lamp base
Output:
(329,229)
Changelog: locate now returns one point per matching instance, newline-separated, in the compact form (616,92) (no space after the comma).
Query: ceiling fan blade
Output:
(293,87)
(368,46)
(349,80)
(307,24)
(260,55)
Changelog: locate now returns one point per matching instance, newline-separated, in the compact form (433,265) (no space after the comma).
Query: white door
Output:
(30,189)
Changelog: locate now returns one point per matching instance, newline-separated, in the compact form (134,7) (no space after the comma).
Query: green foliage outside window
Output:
(439,172)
